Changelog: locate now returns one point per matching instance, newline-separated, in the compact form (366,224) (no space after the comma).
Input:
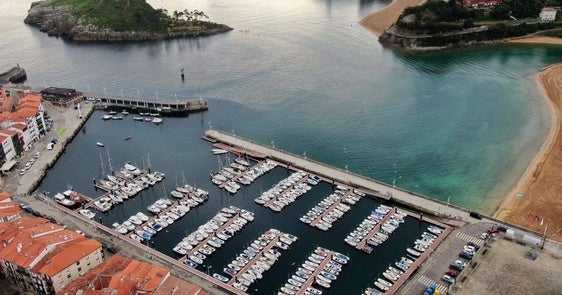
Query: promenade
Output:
(340,176)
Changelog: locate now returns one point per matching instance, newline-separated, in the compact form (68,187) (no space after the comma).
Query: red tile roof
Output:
(119,276)
(8,132)
(65,255)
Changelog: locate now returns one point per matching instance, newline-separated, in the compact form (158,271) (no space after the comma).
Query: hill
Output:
(117,20)
(439,24)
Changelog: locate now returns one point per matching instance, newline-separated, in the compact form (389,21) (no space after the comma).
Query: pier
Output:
(375,230)
(329,209)
(316,272)
(332,175)
(160,105)
(211,236)
(420,260)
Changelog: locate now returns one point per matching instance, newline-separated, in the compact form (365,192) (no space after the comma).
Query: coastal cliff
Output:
(132,20)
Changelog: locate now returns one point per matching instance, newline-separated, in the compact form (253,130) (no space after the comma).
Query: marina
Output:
(166,235)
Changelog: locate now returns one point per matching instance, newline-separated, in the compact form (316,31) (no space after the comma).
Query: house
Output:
(23,126)
(44,257)
(9,210)
(548,14)
(481,3)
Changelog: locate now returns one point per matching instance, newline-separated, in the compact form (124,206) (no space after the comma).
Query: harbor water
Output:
(304,77)
(194,170)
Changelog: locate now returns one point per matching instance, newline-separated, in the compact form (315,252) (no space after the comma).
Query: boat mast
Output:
(102,167)
(109,162)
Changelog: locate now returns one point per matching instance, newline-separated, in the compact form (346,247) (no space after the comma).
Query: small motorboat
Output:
(128,138)
(100,144)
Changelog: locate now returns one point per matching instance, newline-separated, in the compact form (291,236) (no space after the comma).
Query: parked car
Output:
(452,273)
(460,263)
(473,245)
(456,267)
(112,249)
(484,236)
(465,255)
(26,208)
(448,278)
(469,249)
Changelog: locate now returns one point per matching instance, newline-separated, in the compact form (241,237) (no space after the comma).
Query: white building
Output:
(548,14)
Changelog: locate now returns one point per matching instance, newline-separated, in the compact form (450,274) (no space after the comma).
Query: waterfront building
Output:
(120,275)
(9,210)
(62,96)
(22,127)
(548,14)
(44,257)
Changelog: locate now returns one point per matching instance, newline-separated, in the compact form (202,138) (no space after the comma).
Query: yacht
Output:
(87,213)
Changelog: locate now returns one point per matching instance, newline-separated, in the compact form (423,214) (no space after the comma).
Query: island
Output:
(117,20)
(438,24)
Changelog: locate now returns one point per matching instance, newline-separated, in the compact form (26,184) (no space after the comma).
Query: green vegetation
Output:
(440,23)
(134,15)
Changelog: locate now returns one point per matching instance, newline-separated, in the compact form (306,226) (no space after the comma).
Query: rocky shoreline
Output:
(60,21)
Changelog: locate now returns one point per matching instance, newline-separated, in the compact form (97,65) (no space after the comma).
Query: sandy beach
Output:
(538,40)
(534,202)
(379,21)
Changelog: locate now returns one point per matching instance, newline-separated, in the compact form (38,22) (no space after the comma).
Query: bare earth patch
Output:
(505,270)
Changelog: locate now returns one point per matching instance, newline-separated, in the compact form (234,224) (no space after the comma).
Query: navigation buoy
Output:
(182,75)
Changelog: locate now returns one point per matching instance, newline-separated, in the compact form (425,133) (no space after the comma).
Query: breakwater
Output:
(140,104)
(335,175)
(13,75)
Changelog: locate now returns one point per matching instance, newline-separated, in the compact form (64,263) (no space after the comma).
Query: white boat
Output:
(135,220)
(219,151)
(157,120)
(141,216)
(413,252)
(86,212)
(100,144)
(61,199)
(106,117)
(102,205)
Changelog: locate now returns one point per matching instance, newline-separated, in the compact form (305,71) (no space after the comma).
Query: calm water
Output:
(304,76)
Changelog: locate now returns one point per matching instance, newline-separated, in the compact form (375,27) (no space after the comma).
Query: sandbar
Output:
(534,202)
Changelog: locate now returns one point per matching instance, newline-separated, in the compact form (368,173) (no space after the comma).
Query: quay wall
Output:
(28,183)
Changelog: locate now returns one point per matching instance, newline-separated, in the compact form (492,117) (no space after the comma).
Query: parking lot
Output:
(431,272)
